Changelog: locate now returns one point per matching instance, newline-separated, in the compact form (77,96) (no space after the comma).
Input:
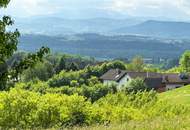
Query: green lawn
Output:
(177,96)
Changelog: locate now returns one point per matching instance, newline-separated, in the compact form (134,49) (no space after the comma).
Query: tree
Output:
(62,65)
(42,71)
(185,61)
(4,3)
(170,63)
(137,64)
(28,62)
(8,44)
(73,66)
(136,85)
(113,65)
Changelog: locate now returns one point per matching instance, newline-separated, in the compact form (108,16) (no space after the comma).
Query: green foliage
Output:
(152,68)
(64,78)
(72,62)
(4,3)
(62,65)
(136,85)
(185,61)
(25,109)
(94,91)
(28,62)
(8,40)
(35,86)
(170,63)
(177,96)
(175,70)
(137,64)
(42,70)
(113,65)
(8,45)
(73,67)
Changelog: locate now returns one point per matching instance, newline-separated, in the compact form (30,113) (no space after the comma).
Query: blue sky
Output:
(164,9)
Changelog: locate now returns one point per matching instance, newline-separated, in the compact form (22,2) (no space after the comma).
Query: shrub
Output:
(30,110)
(24,109)
(136,85)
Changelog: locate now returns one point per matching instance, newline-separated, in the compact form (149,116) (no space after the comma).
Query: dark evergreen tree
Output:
(62,65)
(73,66)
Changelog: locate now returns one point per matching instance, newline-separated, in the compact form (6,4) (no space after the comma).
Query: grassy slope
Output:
(177,96)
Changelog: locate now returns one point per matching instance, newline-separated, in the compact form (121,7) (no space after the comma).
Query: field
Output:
(181,122)
(177,96)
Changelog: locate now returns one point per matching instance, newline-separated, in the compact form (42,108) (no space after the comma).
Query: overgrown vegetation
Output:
(40,91)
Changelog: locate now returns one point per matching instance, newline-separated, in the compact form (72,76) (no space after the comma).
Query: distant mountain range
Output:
(59,26)
(132,26)
(159,29)
(107,47)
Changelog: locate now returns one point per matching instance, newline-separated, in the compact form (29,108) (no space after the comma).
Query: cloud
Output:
(45,7)
(150,7)
(31,7)
(157,8)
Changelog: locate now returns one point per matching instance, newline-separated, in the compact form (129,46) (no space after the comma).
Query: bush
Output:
(30,110)
(24,109)
(64,78)
(42,71)
(136,85)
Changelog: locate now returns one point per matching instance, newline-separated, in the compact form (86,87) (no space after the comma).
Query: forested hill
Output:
(101,46)
(51,25)
(167,29)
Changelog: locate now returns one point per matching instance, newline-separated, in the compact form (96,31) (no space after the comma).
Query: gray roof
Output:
(174,78)
(153,82)
(150,77)
(114,74)
(144,75)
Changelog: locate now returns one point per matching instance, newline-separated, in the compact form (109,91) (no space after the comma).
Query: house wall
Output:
(123,81)
(119,84)
(173,86)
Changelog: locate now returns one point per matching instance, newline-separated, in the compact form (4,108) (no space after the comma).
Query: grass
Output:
(176,123)
(177,96)
(182,122)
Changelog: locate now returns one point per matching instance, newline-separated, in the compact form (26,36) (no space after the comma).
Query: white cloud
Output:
(157,8)
(31,7)
(150,7)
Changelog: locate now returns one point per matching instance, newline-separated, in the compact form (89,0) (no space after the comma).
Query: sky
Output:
(164,9)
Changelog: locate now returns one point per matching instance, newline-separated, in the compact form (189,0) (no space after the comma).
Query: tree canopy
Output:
(185,61)
(8,45)
(4,3)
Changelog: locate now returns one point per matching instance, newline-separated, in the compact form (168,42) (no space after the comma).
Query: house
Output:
(157,81)
(175,80)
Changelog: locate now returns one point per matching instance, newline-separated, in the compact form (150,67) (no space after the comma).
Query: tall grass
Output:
(181,122)
(135,111)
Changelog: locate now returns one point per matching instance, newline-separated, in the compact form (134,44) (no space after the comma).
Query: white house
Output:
(157,81)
